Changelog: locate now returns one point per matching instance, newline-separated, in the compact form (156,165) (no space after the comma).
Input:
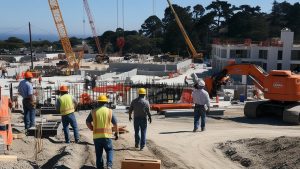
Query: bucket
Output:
(242,98)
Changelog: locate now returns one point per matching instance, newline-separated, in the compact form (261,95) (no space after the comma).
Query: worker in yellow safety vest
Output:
(100,121)
(66,106)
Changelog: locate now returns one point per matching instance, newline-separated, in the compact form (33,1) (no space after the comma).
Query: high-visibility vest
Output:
(66,104)
(102,123)
(5,125)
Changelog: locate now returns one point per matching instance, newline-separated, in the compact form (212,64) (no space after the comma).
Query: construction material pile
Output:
(281,152)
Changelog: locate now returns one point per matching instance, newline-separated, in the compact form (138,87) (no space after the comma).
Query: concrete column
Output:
(287,37)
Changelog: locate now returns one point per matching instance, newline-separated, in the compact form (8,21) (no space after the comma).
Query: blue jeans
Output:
(106,144)
(70,119)
(199,111)
(29,114)
(140,123)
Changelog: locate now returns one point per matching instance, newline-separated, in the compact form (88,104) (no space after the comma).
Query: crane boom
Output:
(186,37)
(62,31)
(92,24)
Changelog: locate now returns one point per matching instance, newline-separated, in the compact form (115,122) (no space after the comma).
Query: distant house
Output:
(275,54)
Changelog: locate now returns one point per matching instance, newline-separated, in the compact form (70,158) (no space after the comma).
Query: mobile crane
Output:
(280,87)
(73,61)
(195,54)
(101,54)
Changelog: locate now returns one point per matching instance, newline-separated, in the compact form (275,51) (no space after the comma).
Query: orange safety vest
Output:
(5,121)
(102,123)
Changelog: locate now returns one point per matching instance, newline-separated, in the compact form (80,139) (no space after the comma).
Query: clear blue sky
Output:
(15,14)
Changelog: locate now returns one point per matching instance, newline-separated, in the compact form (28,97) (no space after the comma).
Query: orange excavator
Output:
(281,88)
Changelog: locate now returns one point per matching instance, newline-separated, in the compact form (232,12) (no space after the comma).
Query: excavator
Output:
(195,55)
(281,89)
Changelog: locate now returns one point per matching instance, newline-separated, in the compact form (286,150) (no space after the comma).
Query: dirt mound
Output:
(279,153)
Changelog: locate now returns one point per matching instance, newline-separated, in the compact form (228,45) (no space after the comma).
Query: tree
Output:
(152,27)
(138,44)
(278,17)
(173,38)
(293,21)
(14,40)
(222,10)
(198,12)
(244,24)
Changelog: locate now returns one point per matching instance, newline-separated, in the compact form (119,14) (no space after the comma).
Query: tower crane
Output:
(195,55)
(100,57)
(62,31)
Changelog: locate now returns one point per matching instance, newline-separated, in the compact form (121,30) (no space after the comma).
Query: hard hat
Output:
(28,75)
(102,98)
(201,82)
(63,88)
(142,91)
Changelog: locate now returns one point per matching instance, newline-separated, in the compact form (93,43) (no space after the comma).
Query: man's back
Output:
(140,107)
(201,97)
(25,88)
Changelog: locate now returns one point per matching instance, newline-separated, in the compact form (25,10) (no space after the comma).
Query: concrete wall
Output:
(125,67)
(152,73)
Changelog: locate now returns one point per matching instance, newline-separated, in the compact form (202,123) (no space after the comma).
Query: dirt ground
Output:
(279,153)
(169,139)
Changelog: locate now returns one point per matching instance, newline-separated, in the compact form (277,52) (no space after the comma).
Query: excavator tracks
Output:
(290,112)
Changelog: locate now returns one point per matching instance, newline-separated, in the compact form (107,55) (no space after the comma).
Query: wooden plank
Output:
(8,158)
(141,164)
(18,136)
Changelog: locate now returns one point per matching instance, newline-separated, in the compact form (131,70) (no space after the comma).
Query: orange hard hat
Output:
(63,88)
(28,75)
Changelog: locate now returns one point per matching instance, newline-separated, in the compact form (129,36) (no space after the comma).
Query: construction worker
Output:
(100,121)
(66,105)
(202,104)
(25,89)
(141,108)
(94,79)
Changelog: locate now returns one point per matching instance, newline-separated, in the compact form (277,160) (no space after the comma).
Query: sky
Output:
(15,14)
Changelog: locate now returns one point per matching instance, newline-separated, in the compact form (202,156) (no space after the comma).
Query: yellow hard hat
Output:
(102,98)
(142,91)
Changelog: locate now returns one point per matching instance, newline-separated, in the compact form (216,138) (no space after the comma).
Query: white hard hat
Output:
(201,82)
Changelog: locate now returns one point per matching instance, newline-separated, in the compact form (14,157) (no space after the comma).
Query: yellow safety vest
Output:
(66,104)
(102,123)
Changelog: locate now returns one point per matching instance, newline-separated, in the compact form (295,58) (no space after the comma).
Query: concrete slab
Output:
(190,112)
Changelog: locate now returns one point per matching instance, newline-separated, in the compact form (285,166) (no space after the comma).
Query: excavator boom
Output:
(278,85)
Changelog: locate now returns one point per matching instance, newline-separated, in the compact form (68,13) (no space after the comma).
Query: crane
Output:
(62,31)
(100,57)
(195,55)
(280,87)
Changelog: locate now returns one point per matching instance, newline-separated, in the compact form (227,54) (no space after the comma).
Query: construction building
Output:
(275,54)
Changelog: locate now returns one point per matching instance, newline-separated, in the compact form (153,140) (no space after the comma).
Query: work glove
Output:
(150,119)
(116,136)
(130,118)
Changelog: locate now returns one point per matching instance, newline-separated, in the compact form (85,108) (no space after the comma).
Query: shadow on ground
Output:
(274,121)
(175,132)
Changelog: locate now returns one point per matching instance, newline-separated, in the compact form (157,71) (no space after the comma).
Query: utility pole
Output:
(30,46)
